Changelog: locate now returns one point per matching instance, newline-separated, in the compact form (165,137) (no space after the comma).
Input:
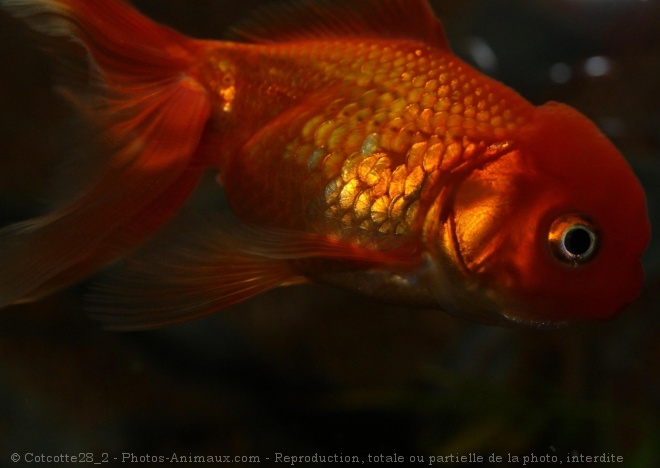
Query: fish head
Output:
(551,232)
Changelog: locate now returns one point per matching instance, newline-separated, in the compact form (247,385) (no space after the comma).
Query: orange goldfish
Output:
(353,149)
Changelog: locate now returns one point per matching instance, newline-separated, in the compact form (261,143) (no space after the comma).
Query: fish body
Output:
(354,149)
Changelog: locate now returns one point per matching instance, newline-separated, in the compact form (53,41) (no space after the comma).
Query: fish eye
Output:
(573,240)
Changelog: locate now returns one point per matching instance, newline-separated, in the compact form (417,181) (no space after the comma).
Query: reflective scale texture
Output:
(365,167)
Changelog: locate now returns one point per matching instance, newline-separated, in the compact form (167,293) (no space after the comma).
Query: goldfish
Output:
(353,148)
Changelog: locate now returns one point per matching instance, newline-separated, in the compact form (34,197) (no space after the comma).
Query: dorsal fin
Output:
(300,20)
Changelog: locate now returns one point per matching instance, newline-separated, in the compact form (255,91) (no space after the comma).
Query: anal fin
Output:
(182,277)
(198,267)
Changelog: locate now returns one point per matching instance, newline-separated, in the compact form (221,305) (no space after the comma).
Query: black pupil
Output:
(577,241)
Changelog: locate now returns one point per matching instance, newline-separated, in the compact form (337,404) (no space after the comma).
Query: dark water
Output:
(311,369)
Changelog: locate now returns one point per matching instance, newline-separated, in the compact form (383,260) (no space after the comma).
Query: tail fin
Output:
(151,115)
(122,41)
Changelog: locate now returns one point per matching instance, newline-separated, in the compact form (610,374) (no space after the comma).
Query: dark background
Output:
(312,369)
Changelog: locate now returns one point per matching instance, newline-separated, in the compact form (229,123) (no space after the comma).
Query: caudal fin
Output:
(122,42)
(151,115)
